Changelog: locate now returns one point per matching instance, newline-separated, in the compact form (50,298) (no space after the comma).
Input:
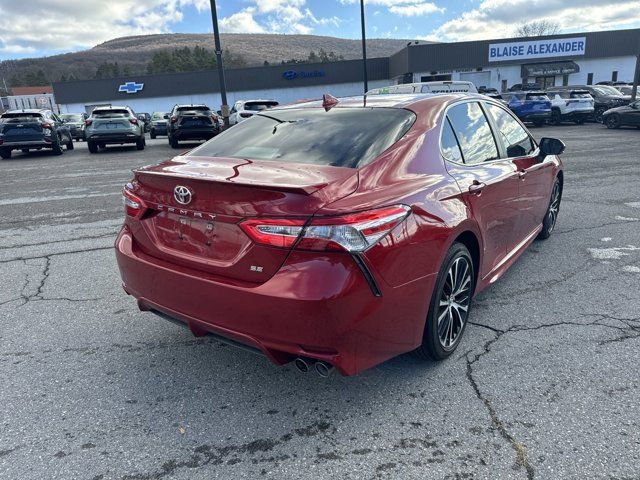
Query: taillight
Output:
(174,119)
(133,205)
(273,232)
(352,233)
(134,121)
(46,125)
(88,122)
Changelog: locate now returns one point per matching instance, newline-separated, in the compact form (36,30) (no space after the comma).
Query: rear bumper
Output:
(195,134)
(114,137)
(315,306)
(26,144)
(535,117)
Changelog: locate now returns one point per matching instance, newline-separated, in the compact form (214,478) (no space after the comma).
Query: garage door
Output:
(479,79)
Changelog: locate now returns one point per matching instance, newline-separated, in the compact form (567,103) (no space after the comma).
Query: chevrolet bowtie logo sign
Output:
(131,87)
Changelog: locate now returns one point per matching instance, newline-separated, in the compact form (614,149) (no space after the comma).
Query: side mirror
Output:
(550,146)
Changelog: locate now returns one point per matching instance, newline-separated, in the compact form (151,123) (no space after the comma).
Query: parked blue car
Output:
(533,107)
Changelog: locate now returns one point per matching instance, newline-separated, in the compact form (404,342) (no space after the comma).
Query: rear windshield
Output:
(580,94)
(606,90)
(71,117)
(341,137)
(20,117)
(110,113)
(158,115)
(259,106)
(537,96)
(193,109)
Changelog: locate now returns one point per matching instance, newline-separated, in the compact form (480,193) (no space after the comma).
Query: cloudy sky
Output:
(31,28)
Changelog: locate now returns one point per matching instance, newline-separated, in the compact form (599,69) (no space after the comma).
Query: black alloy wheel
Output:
(450,304)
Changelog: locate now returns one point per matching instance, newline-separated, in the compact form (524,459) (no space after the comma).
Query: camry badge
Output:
(182,195)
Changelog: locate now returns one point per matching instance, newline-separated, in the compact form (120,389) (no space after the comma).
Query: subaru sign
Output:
(131,87)
(293,74)
(555,47)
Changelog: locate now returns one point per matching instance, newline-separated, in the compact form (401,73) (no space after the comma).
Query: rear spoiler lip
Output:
(300,189)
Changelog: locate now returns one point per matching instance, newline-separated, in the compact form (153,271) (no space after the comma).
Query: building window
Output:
(589,78)
(565,80)
(614,76)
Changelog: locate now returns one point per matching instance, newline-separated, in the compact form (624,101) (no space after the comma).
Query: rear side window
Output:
(341,137)
(515,138)
(449,144)
(473,133)
(110,113)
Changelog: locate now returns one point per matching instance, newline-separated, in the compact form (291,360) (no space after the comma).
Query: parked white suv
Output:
(445,86)
(244,109)
(570,105)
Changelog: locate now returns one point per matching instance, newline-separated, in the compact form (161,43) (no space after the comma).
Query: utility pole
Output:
(223,86)
(364,48)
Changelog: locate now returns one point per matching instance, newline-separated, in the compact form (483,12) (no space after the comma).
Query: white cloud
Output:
(404,8)
(241,22)
(499,18)
(73,24)
(275,16)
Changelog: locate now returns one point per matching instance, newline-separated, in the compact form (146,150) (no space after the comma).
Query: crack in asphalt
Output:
(37,296)
(71,252)
(631,331)
(90,237)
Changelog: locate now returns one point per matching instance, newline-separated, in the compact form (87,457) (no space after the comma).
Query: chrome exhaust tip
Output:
(301,364)
(323,369)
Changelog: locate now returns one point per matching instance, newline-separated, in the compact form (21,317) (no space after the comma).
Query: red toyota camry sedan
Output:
(340,233)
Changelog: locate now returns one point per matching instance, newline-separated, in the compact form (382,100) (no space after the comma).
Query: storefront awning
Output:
(552,68)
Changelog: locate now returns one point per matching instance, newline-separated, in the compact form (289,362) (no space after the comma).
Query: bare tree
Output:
(537,28)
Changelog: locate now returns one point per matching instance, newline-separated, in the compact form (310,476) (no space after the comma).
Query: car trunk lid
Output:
(23,127)
(204,233)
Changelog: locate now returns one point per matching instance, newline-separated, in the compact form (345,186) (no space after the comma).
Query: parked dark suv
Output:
(33,129)
(75,122)
(192,122)
(604,96)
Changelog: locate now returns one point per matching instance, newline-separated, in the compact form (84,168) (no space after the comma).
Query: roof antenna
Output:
(329,101)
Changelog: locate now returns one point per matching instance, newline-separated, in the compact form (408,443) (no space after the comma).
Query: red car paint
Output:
(180,261)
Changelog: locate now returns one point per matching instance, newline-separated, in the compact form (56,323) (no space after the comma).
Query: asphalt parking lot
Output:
(545,385)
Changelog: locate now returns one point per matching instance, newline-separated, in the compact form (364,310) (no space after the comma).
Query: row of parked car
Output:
(37,129)
(608,104)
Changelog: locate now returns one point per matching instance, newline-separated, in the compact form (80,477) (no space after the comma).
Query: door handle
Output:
(476,187)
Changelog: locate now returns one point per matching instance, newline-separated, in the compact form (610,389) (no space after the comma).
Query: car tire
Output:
(152,135)
(70,145)
(102,145)
(556,117)
(173,142)
(5,153)
(598,114)
(448,313)
(57,147)
(140,144)
(93,146)
(551,216)
(612,121)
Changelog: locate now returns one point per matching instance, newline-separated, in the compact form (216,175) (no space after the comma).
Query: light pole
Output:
(364,48)
(223,86)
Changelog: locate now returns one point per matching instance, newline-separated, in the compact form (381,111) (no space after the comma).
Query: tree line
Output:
(184,59)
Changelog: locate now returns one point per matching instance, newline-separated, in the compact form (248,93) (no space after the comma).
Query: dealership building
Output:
(567,59)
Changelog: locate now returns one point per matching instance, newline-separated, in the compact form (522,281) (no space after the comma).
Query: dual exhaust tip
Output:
(322,368)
